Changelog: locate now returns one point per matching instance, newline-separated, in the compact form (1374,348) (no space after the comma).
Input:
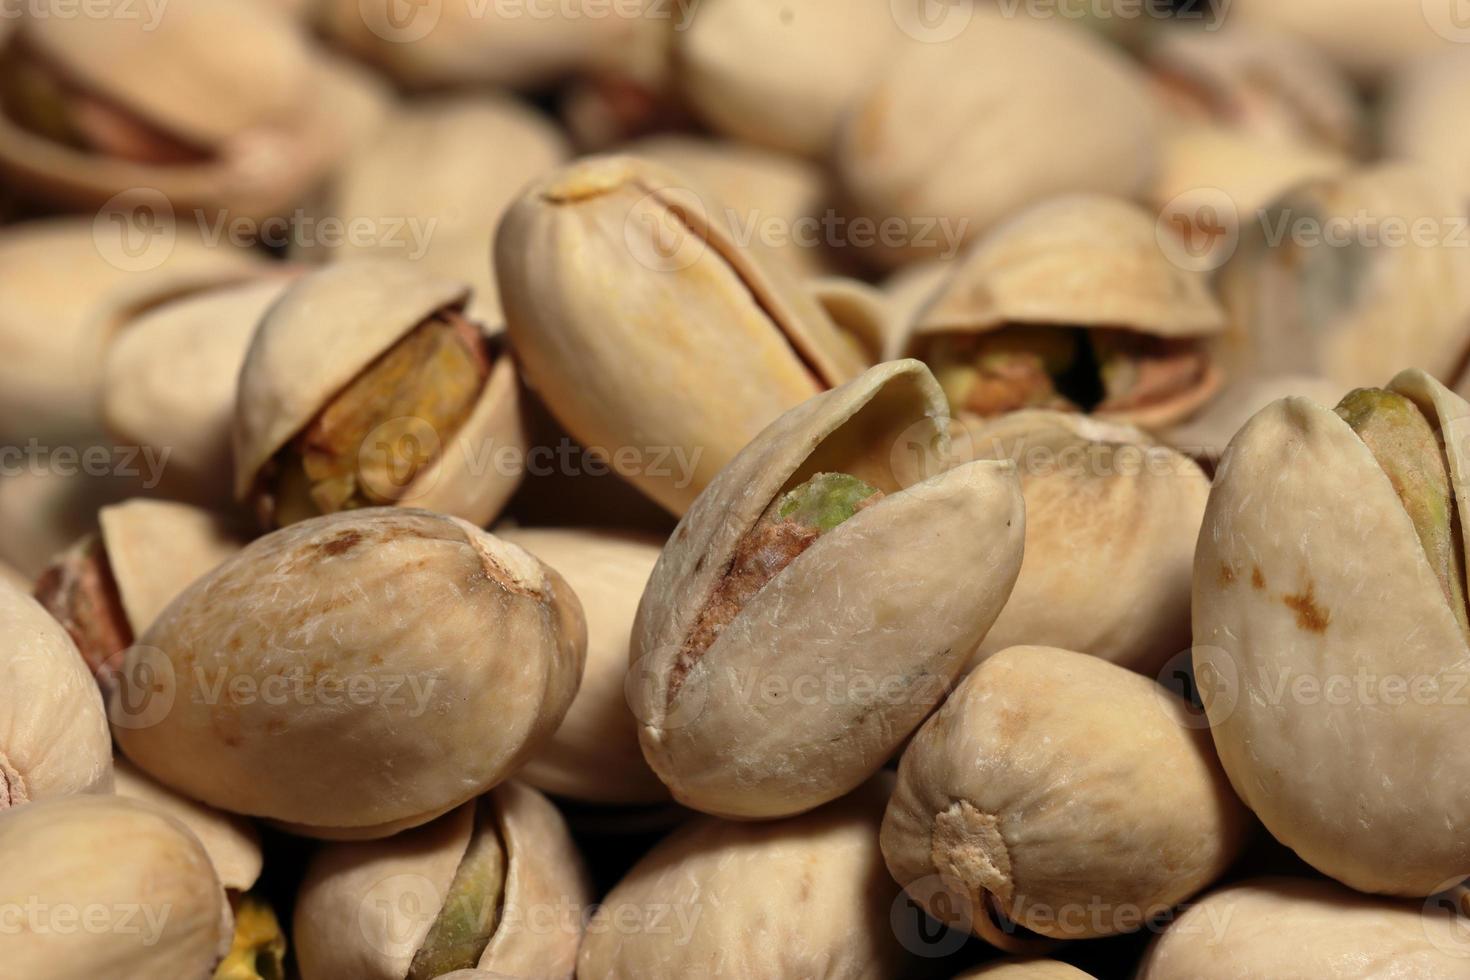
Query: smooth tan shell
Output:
(55,740)
(43,511)
(621,278)
(860,310)
(1074,794)
(1205,436)
(912,287)
(1025,970)
(327,329)
(594,755)
(1420,118)
(1269,928)
(1364,784)
(231,842)
(803,897)
(1366,37)
(364,909)
(11,577)
(164,912)
(896,597)
(169,381)
(949,130)
(467,652)
(1111,522)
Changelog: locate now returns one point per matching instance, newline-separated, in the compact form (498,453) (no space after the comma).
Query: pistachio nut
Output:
(820,598)
(433,185)
(861,311)
(1111,522)
(169,379)
(366,385)
(221,106)
(1329,600)
(594,755)
(65,295)
(1205,436)
(1073,305)
(55,739)
(801,897)
(816,58)
(1368,38)
(138,879)
(1266,928)
(353,675)
(910,288)
(1342,275)
(1027,969)
(44,510)
(110,586)
(1420,118)
(620,278)
(1062,794)
(471,890)
(946,142)
(9,576)
(258,946)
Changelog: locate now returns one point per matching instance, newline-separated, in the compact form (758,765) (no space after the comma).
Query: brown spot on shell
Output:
(1258,580)
(1227,575)
(340,544)
(1309,616)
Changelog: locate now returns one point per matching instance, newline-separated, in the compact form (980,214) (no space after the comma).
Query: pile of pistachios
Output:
(734,489)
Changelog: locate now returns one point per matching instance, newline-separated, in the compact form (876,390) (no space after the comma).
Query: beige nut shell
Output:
(1287,590)
(897,597)
(464,651)
(1420,115)
(1033,969)
(55,740)
(10,576)
(1365,37)
(364,909)
(1076,796)
(166,914)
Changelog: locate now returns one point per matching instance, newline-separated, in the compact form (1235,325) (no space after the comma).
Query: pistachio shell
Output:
(115,889)
(1420,117)
(169,380)
(1336,652)
(55,732)
(1205,436)
(862,312)
(620,278)
(1025,970)
(44,510)
(911,288)
(803,897)
(873,621)
(594,755)
(9,576)
(231,842)
(1365,37)
(364,909)
(1111,523)
(1062,793)
(1267,928)
(354,674)
(949,131)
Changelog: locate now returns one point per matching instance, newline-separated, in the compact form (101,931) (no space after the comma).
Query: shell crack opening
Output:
(967,847)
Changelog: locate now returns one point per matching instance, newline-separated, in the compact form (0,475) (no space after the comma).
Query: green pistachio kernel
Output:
(471,911)
(258,950)
(825,501)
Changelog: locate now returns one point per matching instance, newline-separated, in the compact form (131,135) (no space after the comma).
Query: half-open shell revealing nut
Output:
(820,598)
(353,675)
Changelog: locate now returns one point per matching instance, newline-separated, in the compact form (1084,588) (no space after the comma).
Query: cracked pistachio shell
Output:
(816,57)
(1367,38)
(169,380)
(435,182)
(1310,577)
(328,328)
(1111,522)
(62,302)
(55,740)
(353,675)
(861,311)
(1061,793)
(165,912)
(1033,969)
(1309,304)
(875,620)
(620,278)
(230,78)
(365,908)
(1421,118)
(949,131)
(231,842)
(1269,928)
(594,755)
(801,897)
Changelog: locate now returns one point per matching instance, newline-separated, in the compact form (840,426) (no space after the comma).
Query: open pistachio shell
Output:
(761,699)
(1420,118)
(1060,793)
(355,674)
(1342,275)
(1268,928)
(327,330)
(1033,969)
(116,889)
(594,755)
(1093,264)
(1111,523)
(802,897)
(366,910)
(620,278)
(861,311)
(949,131)
(55,732)
(1365,37)
(1317,606)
